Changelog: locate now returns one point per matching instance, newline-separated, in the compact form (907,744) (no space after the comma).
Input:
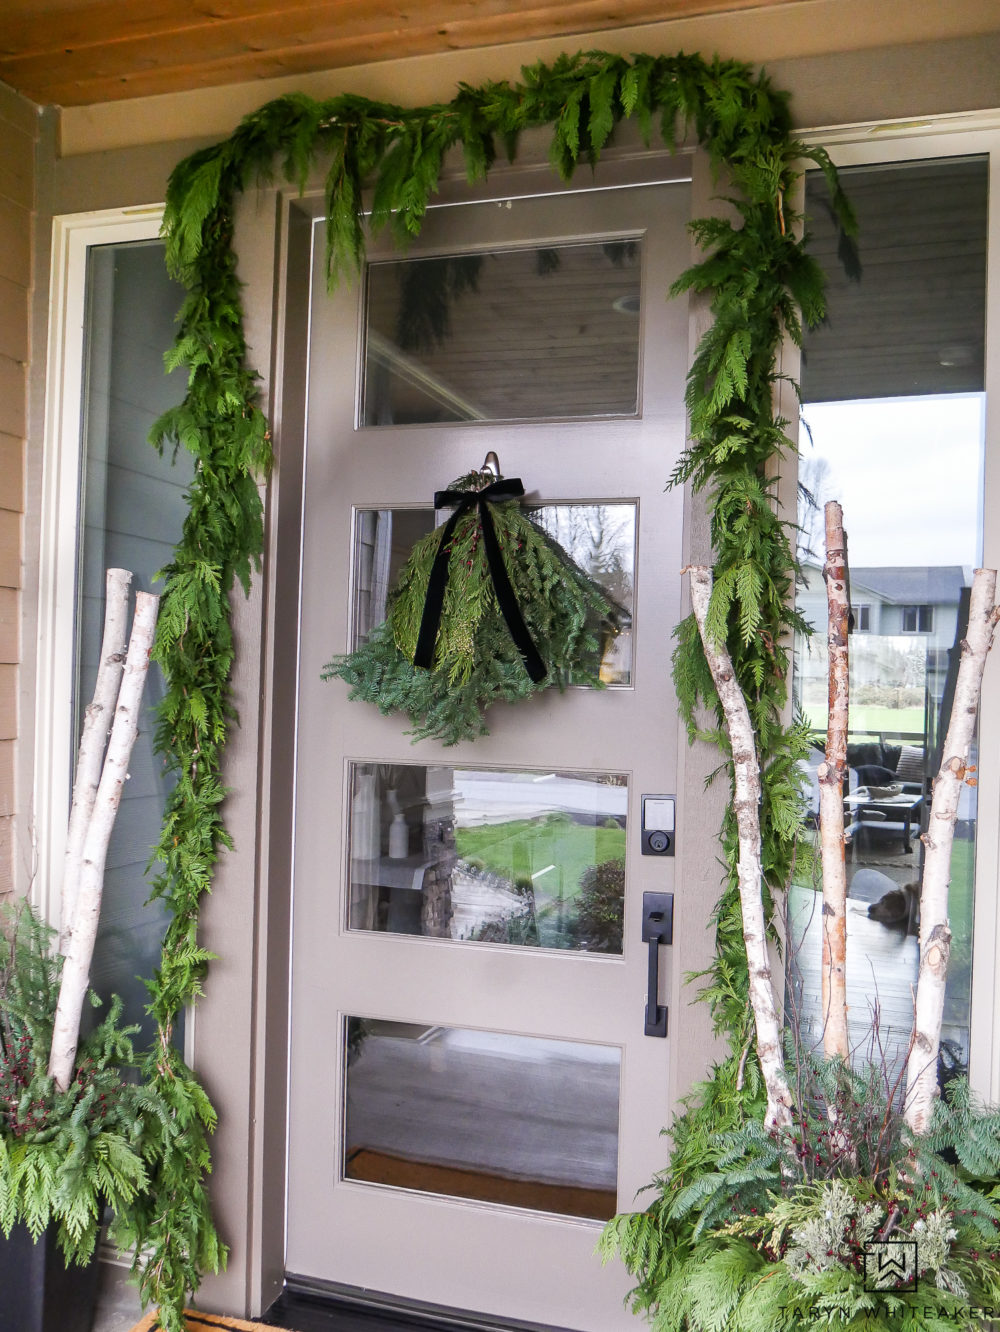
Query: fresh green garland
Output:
(759,278)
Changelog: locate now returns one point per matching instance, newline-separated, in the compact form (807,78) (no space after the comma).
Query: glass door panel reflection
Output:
(520,1121)
(533,859)
(525,333)
(600,538)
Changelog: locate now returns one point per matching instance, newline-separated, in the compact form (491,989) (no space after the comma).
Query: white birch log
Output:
(93,737)
(935,932)
(746,806)
(83,930)
(830,775)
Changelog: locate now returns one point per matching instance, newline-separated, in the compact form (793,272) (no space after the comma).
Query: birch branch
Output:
(746,806)
(83,930)
(935,932)
(830,775)
(94,735)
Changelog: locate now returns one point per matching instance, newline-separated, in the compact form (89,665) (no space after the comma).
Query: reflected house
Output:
(891,600)
(905,625)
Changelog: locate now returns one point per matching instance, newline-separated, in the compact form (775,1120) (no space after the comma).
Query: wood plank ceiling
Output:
(80,52)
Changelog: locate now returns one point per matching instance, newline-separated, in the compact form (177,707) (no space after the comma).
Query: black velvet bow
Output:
(465,500)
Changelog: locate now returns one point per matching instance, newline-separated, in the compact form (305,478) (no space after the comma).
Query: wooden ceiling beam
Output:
(93,24)
(145,47)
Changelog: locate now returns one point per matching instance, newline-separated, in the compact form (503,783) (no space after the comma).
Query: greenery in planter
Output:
(810,1262)
(758,278)
(760,1230)
(66,1156)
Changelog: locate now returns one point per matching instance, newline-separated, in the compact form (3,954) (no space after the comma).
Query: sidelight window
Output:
(894,409)
(132,508)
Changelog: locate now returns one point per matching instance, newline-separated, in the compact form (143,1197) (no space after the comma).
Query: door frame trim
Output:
(73,235)
(243,1029)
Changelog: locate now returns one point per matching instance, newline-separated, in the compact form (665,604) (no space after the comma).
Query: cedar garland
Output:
(759,279)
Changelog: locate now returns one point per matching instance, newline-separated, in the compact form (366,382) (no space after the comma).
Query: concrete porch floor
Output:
(119,1310)
(118,1307)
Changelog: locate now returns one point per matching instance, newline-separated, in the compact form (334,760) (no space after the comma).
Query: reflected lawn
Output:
(552,853)
(958,995)
(872,717)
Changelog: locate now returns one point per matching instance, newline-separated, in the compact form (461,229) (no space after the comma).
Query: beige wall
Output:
(18,135)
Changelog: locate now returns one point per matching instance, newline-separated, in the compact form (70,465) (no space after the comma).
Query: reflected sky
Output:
(908,473)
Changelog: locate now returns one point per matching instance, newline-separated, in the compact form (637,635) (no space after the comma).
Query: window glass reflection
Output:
(133,506)
(532,859)
(520,1121)
(894,430)
(904,657)
(519,334)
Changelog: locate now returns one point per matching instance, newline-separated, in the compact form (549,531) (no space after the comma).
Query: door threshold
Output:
(309,1305)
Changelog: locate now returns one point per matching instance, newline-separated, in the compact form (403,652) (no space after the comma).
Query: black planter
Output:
(38,1292)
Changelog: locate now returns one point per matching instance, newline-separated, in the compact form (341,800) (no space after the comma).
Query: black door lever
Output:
(657,928)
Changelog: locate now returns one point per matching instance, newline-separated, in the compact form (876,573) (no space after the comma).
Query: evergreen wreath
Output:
(759,278)
(473,659)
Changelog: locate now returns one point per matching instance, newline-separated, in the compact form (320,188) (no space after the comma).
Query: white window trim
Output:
(956,136)
(917,608)
(73,235)
(856,611)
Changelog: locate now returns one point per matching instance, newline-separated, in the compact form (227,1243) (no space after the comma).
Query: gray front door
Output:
(472,1092)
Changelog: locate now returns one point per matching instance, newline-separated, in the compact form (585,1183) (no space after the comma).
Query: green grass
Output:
(961,902)
(960,890)
(869,717)
(522,847)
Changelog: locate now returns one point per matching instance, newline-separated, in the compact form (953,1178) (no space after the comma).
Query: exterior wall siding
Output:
(18,135)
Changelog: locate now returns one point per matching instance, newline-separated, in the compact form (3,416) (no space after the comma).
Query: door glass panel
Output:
(894,414)
(600,538)
(521,1121)
(499,335)
(533,859)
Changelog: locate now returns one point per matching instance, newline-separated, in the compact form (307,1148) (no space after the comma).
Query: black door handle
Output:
(657,928)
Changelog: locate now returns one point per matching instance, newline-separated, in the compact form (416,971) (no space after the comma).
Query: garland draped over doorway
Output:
(758,278)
